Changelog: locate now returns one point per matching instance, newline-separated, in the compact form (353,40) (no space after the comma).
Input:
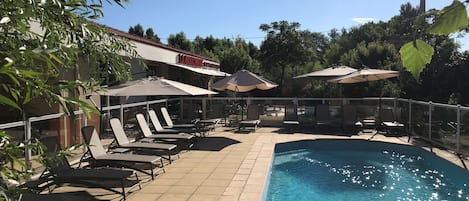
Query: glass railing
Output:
(440,124)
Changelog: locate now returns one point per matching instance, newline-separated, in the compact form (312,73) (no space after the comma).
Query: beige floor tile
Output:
(250,197)
(198,197)
(229,198)
(164,182)
(202,170)
(181,189)
(244,171)
(155,189)
(172,176)
(237,183)
(144,196)
(179,169)
(221,176)
(233,190)
(216,182)
(240,177)
(190,182)
(200,176)
(251,188)
(210,190)
(229,170)
(173,197)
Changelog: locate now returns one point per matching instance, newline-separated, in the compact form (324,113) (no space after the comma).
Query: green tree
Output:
(137,30)
(33,59)
(237,57)
(150,34)
(285,47)
(180,41)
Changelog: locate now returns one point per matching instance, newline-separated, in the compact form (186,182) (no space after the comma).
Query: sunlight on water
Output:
(384,175)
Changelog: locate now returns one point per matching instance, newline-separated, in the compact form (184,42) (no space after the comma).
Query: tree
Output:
(285,46)
(32,60)
(137,30)
(237,57)
(150,34)
(180,41)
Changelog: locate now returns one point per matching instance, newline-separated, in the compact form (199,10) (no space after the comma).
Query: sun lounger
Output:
(123,141)
(185,138)
(252,120)
(169,121)
(323,116)
(188,128)
(291,116)
(157,124)
(60,171)
(99,156)
(389,122)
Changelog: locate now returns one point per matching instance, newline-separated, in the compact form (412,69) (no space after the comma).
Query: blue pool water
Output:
(355,170)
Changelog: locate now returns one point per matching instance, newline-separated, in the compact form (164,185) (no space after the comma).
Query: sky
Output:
(241,18)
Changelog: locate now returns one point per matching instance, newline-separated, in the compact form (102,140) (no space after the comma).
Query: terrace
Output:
(229,165)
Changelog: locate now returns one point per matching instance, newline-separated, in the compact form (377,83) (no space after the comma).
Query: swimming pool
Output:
(361,170)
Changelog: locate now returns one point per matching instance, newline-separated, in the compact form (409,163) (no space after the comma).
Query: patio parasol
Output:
(243,81)
(328,73)
(154,86)
(366,75)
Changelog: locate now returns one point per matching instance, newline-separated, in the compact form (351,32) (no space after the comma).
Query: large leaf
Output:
(415,55)
(451,19)
(9,102)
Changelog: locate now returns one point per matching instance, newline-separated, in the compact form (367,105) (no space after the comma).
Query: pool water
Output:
(355,170)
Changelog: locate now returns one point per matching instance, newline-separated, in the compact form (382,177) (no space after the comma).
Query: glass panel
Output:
(464,139)
(444,126)
(420,120)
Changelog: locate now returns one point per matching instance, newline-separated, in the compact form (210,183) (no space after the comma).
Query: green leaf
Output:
(415,55)
(56,59)
(9,102)
(451,19)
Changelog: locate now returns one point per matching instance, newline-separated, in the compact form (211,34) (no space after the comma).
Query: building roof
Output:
(151,42)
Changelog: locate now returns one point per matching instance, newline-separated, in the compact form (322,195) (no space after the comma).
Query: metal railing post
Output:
(430,120)
(458,130)
(27,151)
(204,108)
(181,109)
(148,107)
(410,116)
(121,111)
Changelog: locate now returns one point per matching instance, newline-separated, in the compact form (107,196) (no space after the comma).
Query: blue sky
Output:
(222,18)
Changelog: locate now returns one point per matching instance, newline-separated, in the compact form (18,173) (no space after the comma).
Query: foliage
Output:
(285,46)
(41,42)
(416,54)
(136,30)
(149,33)
(180,41)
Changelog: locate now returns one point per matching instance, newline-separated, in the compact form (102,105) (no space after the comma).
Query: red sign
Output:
(189,60)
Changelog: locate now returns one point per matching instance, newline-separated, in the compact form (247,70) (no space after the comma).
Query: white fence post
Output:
(121,114)
(410,116)
(458,130)
(204,108)
(27,151)
(430,120)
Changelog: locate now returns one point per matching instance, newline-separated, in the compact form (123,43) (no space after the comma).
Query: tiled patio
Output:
(229,166)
